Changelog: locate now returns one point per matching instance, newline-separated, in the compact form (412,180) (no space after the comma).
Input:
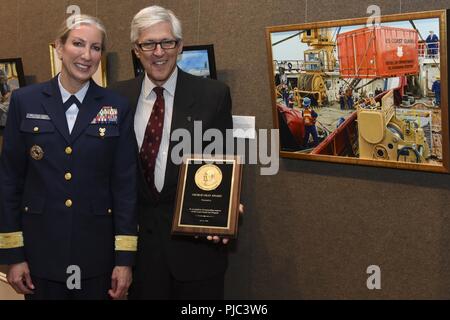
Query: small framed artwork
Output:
(354,92)
(137,65)
(11,78)
(197,60)
(99,76)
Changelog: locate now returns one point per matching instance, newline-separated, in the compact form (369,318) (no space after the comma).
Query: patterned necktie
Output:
(152,140)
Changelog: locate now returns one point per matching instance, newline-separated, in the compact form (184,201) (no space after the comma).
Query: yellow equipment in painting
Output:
(317,60)
(382,136)
(312,85)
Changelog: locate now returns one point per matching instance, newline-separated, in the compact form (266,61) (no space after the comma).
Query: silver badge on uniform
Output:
(37,116)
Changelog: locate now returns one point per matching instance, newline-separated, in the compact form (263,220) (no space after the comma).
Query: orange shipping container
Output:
(378,52)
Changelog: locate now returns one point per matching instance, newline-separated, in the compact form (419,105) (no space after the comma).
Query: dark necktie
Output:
(70,102)
(152,140)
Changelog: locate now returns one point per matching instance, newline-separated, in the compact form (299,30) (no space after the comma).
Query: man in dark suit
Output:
(166,99)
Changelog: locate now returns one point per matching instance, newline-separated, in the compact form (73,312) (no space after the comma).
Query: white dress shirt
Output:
(144,108)
(72,112)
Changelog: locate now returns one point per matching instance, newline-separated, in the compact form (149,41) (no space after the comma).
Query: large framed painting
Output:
(99,76)
(354,92)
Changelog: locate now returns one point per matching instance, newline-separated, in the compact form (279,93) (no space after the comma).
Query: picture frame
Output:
(100,76)
(3,271)
(198,60)
(11,77)
(208,196)
(353,92)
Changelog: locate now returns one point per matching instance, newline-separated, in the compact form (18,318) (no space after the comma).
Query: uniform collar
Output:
(65,95)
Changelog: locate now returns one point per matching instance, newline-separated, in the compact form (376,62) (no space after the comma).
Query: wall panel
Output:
(311,231)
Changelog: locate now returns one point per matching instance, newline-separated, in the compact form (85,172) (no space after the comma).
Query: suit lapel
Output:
(182,117)
(54,108)
(135,91)
(88,110)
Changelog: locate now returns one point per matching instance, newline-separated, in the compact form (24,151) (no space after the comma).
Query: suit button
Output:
(68,203)
(26,209)
(35,129)
(109,211)
(68,150)
(68,176)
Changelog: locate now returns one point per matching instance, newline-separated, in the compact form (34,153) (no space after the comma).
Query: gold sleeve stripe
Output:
(11,240)
(126,243)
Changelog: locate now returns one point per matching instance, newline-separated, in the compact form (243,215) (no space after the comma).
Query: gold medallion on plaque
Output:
(36,152)
(208,177)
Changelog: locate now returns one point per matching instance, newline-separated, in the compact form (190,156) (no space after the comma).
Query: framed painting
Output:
(349,91)
(99,76)
(11,78)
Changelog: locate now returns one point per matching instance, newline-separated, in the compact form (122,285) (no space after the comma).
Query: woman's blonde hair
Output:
(75,21)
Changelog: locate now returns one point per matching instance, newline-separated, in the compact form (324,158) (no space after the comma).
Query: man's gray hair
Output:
(152,15)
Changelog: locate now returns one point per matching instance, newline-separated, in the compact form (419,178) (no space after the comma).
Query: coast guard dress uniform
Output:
(68,182)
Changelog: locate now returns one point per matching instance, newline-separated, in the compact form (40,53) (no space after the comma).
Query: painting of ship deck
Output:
(372,94)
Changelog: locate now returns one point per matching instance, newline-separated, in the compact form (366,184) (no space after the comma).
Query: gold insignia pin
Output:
(102,131)
(36,152)
(208,177)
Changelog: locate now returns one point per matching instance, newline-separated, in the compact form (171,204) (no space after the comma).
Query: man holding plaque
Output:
(166,99)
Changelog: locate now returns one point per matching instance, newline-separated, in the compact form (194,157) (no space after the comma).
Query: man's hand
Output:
(19,278)
(216,239)
(120,282)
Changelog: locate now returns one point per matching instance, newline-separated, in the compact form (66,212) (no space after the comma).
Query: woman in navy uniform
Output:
(68,179)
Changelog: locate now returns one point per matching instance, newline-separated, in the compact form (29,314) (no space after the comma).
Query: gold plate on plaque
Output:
(208,177)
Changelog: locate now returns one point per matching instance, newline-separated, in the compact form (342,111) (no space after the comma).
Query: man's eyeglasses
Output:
(151,45)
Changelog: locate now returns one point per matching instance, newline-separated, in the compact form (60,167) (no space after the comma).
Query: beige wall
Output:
(312,230)
(7,293)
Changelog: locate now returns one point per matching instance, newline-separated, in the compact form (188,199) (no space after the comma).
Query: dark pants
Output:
(159,287)
(437,96)
(153,280)
(311,130)
(91,289)
(286,98)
